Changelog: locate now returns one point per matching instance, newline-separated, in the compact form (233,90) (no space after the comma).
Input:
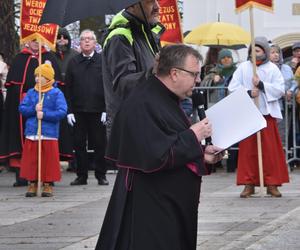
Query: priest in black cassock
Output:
(154,203)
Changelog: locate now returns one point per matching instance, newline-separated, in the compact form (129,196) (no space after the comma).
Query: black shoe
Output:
(78,181)
(102,181)
(20,183)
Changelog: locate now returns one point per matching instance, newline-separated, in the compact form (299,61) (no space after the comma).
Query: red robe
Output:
(274,165)
(50,167)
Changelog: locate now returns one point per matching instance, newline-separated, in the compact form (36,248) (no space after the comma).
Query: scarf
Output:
(44,87)
(226,71)
(260,59)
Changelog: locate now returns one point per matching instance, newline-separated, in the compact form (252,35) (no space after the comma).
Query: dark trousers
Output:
(232,160)
(88,128)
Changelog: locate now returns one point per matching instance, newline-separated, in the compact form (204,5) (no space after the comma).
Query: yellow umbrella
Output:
(219,34)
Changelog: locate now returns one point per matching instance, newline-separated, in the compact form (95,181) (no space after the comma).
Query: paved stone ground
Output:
(71,220)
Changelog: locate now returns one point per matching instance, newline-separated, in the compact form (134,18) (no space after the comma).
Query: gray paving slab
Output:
(71,220)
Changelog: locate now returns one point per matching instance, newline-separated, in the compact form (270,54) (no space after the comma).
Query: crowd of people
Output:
(134,108)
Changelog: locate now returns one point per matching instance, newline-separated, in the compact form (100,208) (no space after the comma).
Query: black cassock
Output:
(19,80)
(155,199)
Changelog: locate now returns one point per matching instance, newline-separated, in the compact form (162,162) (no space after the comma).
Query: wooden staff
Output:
(258,134)
(39,124)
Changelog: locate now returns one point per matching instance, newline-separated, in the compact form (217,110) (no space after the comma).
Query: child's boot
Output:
(47,190)
(32,189)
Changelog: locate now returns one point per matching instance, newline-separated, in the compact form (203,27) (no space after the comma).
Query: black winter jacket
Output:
(124,61)
(84,85)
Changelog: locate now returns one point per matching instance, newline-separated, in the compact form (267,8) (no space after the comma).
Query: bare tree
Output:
(9,39)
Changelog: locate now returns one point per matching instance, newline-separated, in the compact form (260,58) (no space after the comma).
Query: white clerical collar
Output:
(90,55)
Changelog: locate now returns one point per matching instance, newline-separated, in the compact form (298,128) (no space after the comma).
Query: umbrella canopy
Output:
(219,34)
(64,12)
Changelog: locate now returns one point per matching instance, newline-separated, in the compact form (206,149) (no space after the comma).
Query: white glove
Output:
(71,119)
(103,117)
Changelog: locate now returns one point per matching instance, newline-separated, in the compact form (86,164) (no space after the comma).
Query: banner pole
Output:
(39,125)
(258,134)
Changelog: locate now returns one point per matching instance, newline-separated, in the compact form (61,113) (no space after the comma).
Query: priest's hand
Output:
(213,154)
(202,129)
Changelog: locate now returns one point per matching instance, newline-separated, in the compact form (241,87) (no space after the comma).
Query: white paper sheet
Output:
(234,118)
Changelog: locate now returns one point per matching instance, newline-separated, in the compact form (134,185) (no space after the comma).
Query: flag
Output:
(170,18)
(31,12)
(241,5)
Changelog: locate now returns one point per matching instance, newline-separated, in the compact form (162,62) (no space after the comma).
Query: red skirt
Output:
(50,167)
(275,169)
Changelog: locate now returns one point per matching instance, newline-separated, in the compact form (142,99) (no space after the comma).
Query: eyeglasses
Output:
(196,74)
(89,38)
(61,37)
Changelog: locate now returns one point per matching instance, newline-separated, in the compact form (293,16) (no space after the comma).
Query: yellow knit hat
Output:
(46,71)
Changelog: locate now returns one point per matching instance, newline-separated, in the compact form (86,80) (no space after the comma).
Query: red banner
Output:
(169,17)
(245,4)
(31,12)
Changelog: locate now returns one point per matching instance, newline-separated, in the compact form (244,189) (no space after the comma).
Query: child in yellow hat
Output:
(50,110)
